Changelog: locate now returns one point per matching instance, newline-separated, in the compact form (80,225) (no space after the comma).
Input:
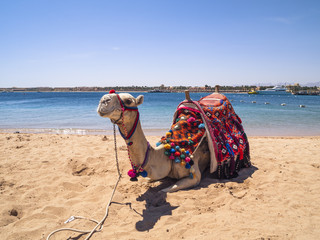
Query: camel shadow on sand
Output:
(156,200)
(156,205)
(211,178)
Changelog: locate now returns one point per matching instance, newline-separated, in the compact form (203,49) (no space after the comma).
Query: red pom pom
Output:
(112,91)
(131,173)
(190,120)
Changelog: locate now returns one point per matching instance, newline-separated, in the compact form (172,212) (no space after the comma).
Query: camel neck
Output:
(137,144)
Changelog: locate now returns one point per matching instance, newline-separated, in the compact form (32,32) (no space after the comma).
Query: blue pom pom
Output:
(191,175)
(187,152)
(172,150)
(158,144)
(144,173)
(188,166)
(177,148)
(170,131)
(201,125)
(177,160)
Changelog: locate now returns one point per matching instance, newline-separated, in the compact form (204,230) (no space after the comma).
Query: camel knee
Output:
(184,183)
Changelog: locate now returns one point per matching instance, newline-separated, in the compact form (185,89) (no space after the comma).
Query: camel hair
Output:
(158,165)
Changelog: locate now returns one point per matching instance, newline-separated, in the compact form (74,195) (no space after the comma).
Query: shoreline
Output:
(75,131)
(147,132)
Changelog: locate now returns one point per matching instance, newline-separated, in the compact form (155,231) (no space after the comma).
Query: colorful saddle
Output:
(212,116)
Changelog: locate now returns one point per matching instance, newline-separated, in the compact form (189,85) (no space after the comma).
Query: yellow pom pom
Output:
(167,146)
(189,138)
(183,163)
(183,150)
(168,134)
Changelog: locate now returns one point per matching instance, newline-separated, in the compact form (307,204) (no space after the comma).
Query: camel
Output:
(122,110)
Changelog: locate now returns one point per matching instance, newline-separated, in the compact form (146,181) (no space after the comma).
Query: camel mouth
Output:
(106,112)
(102,114)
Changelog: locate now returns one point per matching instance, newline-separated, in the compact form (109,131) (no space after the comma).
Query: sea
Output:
(76,113)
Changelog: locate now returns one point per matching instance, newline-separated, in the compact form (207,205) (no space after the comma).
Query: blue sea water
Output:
(75,112)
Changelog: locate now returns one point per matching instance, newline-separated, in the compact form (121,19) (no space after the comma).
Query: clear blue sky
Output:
(148,43)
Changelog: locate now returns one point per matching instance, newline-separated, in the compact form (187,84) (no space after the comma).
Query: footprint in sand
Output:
(79,169)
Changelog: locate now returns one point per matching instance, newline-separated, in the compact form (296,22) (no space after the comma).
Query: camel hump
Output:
(214,99)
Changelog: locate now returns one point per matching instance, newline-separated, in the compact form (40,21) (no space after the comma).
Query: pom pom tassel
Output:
(144,173)
(132,173)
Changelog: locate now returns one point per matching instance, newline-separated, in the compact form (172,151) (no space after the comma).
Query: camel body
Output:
(121,109)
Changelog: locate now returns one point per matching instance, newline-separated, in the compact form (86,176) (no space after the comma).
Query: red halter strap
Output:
(126,108)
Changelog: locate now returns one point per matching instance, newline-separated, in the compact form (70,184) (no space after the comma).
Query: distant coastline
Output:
(127,89)
(296,88)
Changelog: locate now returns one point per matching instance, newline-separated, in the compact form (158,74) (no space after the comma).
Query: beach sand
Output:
(46,178)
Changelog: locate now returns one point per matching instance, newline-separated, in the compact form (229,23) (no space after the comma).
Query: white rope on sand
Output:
(99,224)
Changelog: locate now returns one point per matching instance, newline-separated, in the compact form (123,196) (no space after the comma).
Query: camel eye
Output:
(128,102)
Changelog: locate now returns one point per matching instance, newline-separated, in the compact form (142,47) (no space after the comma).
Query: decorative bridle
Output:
(124,108)
(136,169)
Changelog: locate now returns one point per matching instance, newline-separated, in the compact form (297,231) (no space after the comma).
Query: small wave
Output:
(58,131)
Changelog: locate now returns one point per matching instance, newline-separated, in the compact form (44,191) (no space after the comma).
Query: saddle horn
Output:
(186,92)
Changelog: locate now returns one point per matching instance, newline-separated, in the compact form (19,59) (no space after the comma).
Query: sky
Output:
(69,43)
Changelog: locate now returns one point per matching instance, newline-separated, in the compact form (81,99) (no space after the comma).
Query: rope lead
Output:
(99,224)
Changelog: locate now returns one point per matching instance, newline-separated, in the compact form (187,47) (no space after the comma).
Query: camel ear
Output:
(139,100)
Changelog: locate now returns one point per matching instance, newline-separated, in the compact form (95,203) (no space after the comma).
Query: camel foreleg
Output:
(185,182)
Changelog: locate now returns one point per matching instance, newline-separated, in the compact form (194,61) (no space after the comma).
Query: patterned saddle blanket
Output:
(212,116)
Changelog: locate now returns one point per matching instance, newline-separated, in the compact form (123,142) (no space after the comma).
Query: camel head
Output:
(110,106)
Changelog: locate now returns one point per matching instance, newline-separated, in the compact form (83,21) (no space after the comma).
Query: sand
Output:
(46,178)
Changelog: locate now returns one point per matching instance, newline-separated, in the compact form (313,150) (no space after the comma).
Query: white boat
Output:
(158,91)
(274,90)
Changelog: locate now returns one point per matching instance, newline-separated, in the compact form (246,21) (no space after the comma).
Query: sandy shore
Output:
(46,178)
